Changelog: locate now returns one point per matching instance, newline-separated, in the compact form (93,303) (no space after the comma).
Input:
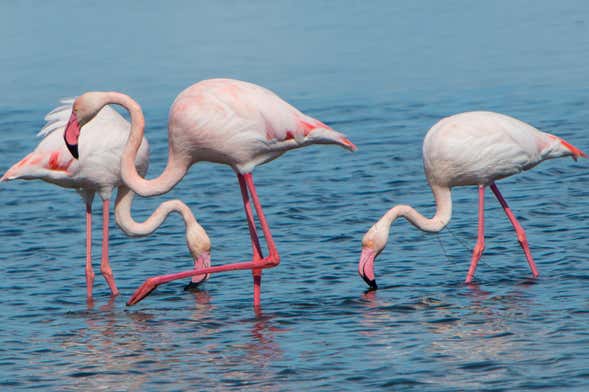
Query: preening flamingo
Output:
(98,171)
(219,120)
(473,148)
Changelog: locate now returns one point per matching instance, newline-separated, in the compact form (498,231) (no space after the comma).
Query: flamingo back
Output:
(242,124)
(477,148)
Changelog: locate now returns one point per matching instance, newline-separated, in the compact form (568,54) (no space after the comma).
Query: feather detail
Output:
(57,118)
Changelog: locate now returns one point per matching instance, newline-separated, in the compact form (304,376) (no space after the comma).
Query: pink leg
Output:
(273,257)
(257,273)
(257,265)
(265,228)
(250,219)
(89,270)
(480,246)
(105,265)
(521,234)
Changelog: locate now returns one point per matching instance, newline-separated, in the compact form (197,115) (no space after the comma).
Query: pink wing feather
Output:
(50,160)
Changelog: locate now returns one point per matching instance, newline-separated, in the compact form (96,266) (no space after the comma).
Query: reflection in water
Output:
(373,314)
(144,348)
(103,351)
(251,363)
(478,336)
(470,331)
(319,201)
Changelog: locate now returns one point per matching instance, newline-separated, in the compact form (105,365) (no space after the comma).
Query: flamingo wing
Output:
(245,111)
(282,122)
(50,160)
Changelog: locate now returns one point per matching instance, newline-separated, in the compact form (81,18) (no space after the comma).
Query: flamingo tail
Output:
(576,152)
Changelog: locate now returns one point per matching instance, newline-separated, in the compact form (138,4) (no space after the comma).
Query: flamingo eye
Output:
(369,243)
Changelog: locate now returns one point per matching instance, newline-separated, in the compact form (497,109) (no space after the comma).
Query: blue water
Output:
(383,73)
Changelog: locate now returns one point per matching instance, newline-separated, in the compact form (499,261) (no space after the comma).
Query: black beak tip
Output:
(371,283)
(73,148)
(192,286)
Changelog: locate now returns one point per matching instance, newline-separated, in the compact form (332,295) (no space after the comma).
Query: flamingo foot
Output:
(143,291)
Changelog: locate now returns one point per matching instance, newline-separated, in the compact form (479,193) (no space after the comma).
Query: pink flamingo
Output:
(219,120)
(473,148)
(98,171)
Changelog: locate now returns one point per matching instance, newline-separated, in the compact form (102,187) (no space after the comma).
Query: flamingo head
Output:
(84,109)
(199,246)
(373,243)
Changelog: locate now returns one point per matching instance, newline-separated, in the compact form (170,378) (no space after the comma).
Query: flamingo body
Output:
(240,124)
(472,148)
(98,170)
(477,148)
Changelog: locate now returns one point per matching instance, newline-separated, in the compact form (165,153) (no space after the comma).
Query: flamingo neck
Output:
(196,236)
(174,170)
(441,218)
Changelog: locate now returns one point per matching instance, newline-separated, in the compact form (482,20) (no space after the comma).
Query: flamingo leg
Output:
(273,257)
(105,264)
(250,219)
(265,228)
(272,260)
(521,234)
(89,270)
(480,245)
(256,273)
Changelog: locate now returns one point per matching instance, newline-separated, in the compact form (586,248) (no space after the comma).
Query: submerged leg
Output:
(89,270)
(104,263)
(480,245)
(256,273)
(521,234)
(273,257)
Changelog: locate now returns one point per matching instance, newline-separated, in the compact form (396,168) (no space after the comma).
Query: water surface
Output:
(383,74)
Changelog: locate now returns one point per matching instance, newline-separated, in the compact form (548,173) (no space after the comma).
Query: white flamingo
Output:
(98,171)
(473,148)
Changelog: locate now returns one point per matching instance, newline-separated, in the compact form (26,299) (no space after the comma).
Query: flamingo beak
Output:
(366,267)
(72,134)
(203,261)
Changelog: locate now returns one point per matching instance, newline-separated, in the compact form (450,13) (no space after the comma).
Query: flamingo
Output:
(98,171)
(472,148)
(224,121)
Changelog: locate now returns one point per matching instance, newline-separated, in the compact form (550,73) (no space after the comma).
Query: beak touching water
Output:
(366,267)
(203,261)
(72,134)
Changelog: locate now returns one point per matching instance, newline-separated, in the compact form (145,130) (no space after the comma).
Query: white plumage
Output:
(472,148)
(98,170)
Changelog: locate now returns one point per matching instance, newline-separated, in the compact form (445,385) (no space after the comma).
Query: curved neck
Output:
(136,229)
(196,236)
(174,170)
(442,217)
